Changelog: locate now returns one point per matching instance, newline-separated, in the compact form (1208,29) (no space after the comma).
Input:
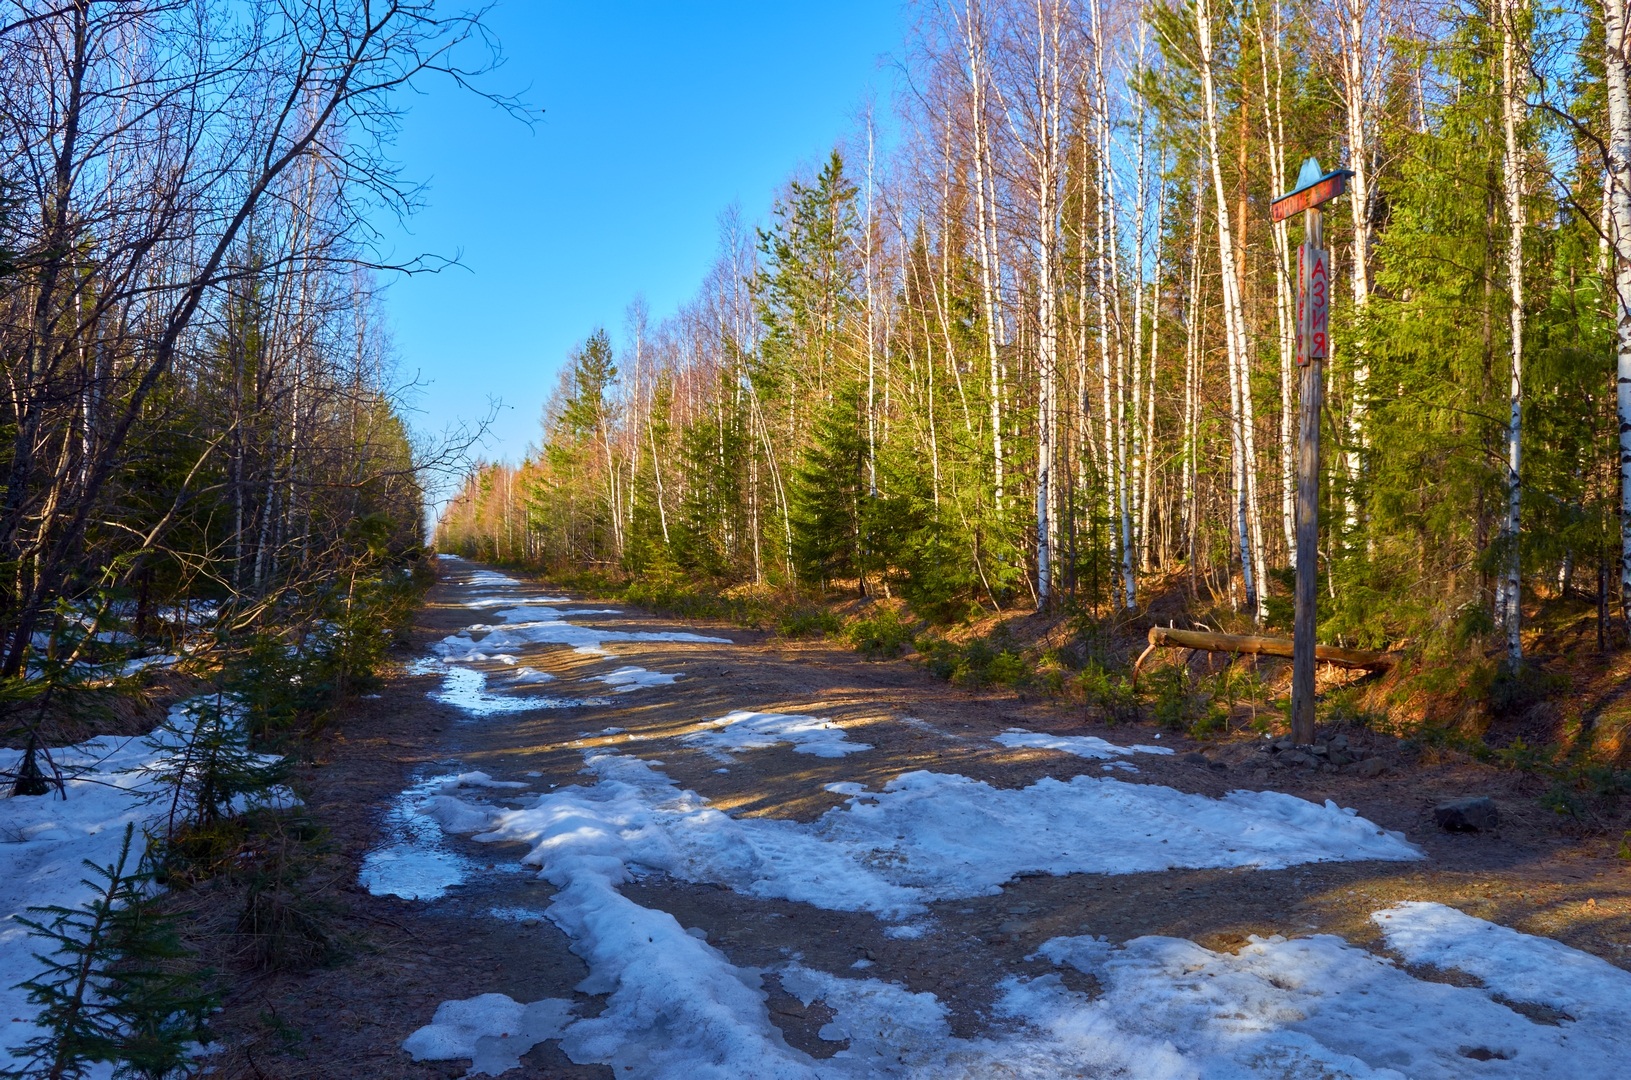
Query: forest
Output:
(203,424)
(881,664)
(1040,355)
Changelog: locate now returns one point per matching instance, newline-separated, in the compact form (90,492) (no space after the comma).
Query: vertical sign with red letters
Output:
(1313,304)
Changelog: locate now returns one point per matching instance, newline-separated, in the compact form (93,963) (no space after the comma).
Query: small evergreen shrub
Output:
(807,621)
(882,635)
(113,989)
(1515,690)
(1177,704)
(1007,668)
(978,662)
(1109,694)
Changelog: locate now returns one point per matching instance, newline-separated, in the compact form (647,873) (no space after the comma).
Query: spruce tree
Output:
(112,989)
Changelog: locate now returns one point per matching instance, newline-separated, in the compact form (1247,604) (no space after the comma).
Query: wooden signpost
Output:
(1313,346)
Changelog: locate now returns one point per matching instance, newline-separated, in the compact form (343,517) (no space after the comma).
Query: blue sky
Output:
(658,116)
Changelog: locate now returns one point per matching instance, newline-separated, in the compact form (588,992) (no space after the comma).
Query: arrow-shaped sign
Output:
(1313,187)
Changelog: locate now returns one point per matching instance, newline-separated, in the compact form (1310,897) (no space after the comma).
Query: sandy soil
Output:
(400,958)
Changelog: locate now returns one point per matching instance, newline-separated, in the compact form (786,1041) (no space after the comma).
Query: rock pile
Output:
(1333,755)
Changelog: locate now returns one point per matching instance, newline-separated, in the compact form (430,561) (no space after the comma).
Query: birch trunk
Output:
(1513,91)
(973,39)
(1617,65)
(871,336)
(1357,47)
(1149,404)
(1242,442)
(1285,305)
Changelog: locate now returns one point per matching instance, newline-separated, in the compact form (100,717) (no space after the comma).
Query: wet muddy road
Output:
(592,843)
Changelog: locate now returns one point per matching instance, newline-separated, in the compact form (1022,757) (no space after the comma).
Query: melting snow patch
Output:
(492,1029)
(466,689)
(1319,1007)
(932,836)
(677,1008)
(1519,967)
(744,730)
(625,679)
(514,602)
(142,663)
(523,627)
(489,578)
(529,675)
(44,841)
(1085,746)
(415,863)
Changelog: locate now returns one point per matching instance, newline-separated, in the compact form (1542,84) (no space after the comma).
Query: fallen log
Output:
(1360,659)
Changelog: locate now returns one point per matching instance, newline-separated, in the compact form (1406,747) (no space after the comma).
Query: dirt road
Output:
(875,873)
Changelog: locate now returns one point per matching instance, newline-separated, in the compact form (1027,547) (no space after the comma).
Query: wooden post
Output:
(1308,487)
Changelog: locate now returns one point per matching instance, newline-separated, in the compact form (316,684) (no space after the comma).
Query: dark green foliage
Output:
(807,620)
(1178,701)
(114,988)
(831,504)
(1514,691)
(1111,695)
(882,635)
(992,659)
(205,774)
(810,288)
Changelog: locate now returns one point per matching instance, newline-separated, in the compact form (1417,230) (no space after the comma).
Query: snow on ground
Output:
(625,679)
(1169,1009)
(142,663)
(677,1007)
(489,579)
(1084,746)
(744,730)
(466,689)
(1517,966)
(415,862)
(491,1029)
(512,601)
(1317,1006)
(931,836)
(44,841)
(524,627)
(527,675)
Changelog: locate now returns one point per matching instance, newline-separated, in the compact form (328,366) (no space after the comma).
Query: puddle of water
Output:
(416,864)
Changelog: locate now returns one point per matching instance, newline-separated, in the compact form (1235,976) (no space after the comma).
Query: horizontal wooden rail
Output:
(1265,646)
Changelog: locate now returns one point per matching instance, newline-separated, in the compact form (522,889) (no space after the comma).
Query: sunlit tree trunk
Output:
(1361,54)
(1284,290)
(1513,95)
(1617,68)
(1241,442)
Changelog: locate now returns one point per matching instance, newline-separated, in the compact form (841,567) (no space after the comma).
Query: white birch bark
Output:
(1242,440)
(974,50)
(871,335)
(1285,306)
(1361,57)
(1149,404)
(1617,67)
(1513,94)
(1042,149)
